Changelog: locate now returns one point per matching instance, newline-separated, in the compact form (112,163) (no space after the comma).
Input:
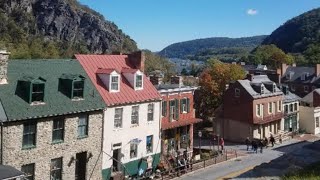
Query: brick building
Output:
(51,119)
(251,108)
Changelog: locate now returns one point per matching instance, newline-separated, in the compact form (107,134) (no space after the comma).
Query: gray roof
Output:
(290,97)
(257,81)
(298,72)
(3,116)
(175,87)
(309,97)
(8,172)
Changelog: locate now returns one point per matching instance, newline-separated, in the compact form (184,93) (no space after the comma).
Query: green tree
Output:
(312,54)
(184,72)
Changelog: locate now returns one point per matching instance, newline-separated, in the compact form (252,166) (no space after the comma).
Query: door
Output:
(116,160)
(81,166)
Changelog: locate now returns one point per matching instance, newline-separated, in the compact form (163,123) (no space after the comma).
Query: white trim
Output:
(110,82)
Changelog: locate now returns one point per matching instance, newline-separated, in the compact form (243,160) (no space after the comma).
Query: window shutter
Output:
(181,108)
(188,105)
(177,109)
(164,108)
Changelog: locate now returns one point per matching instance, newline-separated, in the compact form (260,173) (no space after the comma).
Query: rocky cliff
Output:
(65,22)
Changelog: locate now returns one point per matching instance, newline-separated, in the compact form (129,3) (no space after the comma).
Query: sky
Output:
(155,24)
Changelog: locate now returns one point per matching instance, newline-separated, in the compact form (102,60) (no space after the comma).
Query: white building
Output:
(310,112)
(131,130)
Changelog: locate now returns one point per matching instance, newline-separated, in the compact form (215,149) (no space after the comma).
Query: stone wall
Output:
(3,66)
(45,150)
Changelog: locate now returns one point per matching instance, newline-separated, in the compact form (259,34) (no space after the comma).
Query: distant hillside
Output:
(220,47)
(297,34)
(57,28)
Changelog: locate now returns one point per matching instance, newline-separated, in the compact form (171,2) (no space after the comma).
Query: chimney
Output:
(242,63)
(283,68)
(316,99)
(156,80)
(177,80)
(233,62)
(137,59)
(317,69)
(4,56)
(249,77)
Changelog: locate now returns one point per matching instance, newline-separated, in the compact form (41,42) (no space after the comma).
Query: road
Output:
(243,165)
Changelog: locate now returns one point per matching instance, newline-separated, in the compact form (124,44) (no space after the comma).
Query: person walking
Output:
(266,142)
(272,140)
(248,143)
(255,146)
(261,145)
(222,144)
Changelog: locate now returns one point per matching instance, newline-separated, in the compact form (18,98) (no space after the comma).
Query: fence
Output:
(193,166)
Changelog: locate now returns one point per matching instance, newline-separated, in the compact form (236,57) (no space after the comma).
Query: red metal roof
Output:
(105,71)
(126,70)
(91,63)
(170,125)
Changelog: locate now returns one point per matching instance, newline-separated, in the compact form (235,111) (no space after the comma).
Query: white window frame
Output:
(237,92)
(262,89)
(273,107)
(184,105)
(258,110)
(279,106)
(274,88)
(149,112)
(135,114)
(111,83)
(134,146)
(270,108)
(118,117)
(136,81)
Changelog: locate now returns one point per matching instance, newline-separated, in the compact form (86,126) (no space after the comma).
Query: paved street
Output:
(253,166)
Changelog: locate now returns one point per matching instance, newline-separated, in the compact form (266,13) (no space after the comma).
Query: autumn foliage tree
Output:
(213,81)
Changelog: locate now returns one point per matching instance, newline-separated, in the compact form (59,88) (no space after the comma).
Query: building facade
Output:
(252,108)
(51,120)
(131,141)
(290,110)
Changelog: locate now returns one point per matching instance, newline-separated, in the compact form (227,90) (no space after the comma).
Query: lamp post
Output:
(200,135)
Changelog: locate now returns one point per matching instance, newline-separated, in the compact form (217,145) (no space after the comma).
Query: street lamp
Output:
(200,135)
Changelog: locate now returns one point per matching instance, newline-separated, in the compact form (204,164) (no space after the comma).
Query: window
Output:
(286,108)
(150,112)
(29,135)
(138,81)
(274,88)
(56,169)
(174,110)
(258,110)
(78,89)
(303,77)
(164,108)
(273,107)
(296,106)
(133,150)
(185,105)
(149,144)
(37,94)
(114,83)
(317,122)
(58,130)
(262,89)
(293,88)
(118,118)
(306,88)
(291,107)
(279,106)
(135,115)
(270,107)
(237,92)
(28,170)
(83,126)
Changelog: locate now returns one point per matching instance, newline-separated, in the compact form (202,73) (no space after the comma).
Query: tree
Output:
(184,72)
(213,81)
(270,55)
(312,54)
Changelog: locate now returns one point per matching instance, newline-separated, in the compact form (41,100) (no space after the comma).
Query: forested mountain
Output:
(220,47)
(57,28)
(297,34)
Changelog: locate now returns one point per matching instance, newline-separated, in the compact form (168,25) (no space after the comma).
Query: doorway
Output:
(116,159)
(81,166)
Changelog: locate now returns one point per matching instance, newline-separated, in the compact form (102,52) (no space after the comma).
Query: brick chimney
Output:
(316,99)
(4,56)
(284,68)
(317,69)
(137,59)
(177,80)
(156,80)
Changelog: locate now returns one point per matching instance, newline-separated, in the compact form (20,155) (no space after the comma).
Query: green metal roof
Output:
(55,102)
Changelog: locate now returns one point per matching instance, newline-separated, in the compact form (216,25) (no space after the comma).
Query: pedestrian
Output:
(280,139)
(255,146)
(272,140)
(266,142)
(260,145)
(247,143)
(222,144)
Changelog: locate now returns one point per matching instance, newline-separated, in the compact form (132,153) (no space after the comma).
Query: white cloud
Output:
(252,12)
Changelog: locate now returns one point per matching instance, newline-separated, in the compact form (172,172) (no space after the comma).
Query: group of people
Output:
(255,144)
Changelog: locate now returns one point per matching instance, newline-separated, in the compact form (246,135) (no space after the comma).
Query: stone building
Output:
(51,120)
(131,142)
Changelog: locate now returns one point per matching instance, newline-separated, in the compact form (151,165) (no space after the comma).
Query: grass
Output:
(311,172)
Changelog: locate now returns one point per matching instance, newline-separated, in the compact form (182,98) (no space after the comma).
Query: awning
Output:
(179,123)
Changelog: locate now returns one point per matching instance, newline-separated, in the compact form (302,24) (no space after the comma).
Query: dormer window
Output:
(77,92)
(138,81)
(304,76)
(72,85)
(114,83)
(31,89)
(289,75)
(262,89)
